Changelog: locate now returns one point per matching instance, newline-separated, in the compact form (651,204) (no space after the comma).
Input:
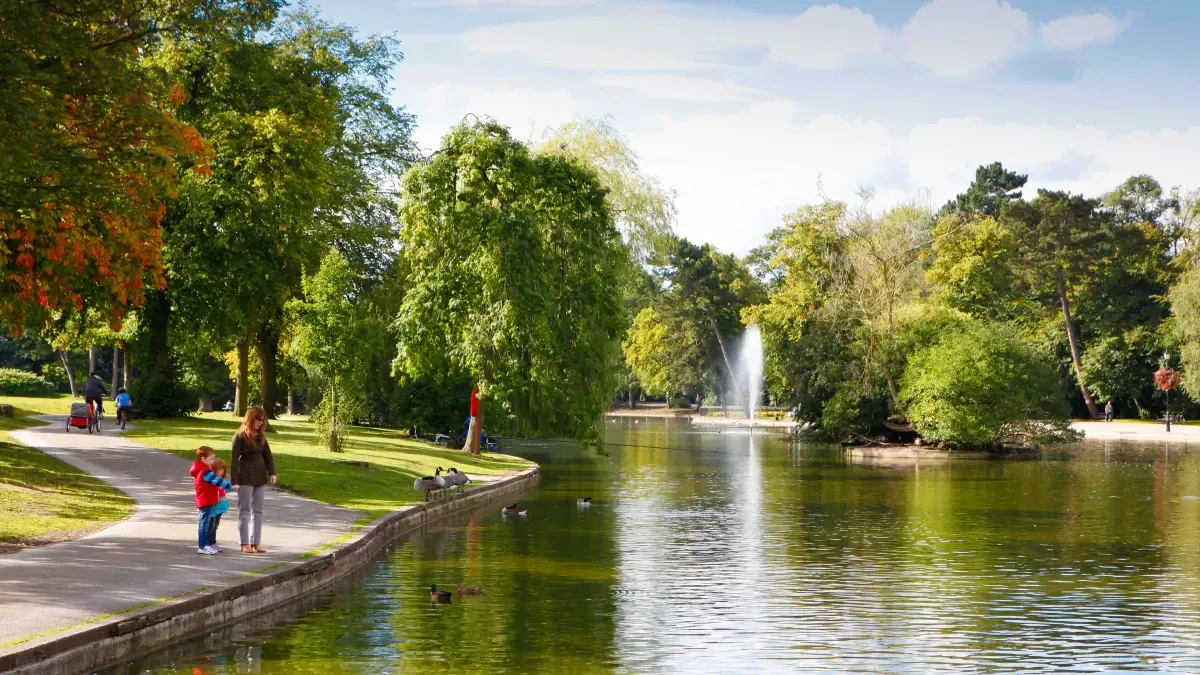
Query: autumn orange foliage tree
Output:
(90,147)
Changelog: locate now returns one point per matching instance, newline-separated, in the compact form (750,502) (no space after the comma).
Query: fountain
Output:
(750,370)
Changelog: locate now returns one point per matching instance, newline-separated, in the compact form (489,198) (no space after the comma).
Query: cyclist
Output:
(95,392)
(124,405)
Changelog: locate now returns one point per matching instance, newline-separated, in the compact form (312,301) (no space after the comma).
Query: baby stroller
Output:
(82,418)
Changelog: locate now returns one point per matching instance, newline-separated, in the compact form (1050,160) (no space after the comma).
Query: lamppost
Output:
(1167,383)
(1167,388)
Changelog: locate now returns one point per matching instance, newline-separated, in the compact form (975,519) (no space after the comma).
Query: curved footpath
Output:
(1137,431)
(83,604)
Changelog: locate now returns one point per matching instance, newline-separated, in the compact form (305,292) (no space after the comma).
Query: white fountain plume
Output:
(750,363)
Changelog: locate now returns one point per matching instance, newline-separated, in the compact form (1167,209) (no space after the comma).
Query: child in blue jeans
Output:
(209,488)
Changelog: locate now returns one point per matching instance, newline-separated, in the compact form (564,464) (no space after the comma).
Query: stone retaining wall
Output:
(128,635)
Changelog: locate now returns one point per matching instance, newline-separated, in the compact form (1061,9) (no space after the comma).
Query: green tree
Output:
(653,353)
(643,210)
(1061,239)
(329,343)
(1185,309)
(975,268)
(982,386)
(993,187)
(513,263)
(304,136)
(1121,367)
(91,136)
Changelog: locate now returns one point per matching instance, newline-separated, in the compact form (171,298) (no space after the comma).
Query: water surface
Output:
(714,552)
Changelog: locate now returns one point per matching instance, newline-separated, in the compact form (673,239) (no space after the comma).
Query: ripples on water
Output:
(739,554)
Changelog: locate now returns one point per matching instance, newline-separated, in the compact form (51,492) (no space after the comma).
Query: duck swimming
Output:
(439,597)
(513,510)
(584,502)
(469,590)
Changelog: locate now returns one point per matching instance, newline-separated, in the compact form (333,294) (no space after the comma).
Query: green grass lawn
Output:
(307,469)
(43,499)
(59,404)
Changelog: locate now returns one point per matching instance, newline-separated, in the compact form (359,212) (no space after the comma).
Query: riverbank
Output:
(138,585)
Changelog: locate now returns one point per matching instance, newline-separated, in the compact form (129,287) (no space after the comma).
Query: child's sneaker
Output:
(207,550)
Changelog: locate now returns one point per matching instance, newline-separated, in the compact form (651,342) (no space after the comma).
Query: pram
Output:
(82,418)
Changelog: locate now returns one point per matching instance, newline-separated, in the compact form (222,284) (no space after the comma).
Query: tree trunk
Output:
(91,359)
(70,374)
(893,394)
(116,375)
(206,402)
(291,401)
(268,351)
(243,378)
(478,432)
(158,309)
(127,367)
(1076,359)
(633,398)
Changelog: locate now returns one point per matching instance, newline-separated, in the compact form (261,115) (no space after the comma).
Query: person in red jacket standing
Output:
(473,430)
(208,492)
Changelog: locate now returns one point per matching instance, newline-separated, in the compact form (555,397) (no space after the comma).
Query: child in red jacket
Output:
(208,493)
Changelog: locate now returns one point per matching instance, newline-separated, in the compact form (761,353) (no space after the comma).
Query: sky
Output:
(748,110)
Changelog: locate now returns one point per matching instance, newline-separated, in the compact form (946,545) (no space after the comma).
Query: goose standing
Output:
(427,484)
(456,478)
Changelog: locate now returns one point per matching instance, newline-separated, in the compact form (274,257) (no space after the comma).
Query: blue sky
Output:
(750,109)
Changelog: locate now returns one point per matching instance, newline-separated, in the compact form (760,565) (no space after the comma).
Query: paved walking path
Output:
(1137,431)
(150,556)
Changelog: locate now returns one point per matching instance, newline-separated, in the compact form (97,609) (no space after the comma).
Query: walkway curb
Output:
(126,636)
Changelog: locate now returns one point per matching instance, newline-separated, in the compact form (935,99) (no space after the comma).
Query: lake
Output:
(708,552)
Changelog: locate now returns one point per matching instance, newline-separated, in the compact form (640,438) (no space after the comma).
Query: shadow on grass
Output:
(307,469)
(44,499)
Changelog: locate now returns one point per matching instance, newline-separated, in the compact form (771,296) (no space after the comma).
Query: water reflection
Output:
(727,552)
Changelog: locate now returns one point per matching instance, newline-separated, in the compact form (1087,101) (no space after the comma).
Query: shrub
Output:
(982,386)
(15,382)
(165,397)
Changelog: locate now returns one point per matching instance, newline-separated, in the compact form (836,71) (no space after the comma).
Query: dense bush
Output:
(15,382)
(982,386)
(161,398)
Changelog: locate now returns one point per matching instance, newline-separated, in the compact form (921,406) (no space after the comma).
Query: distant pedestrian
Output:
(472,431)
(208,486)
(1108,411)
(253,468)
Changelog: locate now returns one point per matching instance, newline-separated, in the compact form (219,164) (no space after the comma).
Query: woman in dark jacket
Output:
(251,471)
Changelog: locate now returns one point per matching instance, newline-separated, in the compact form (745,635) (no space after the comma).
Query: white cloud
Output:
(733,193)
(634,38)
(499,3)
(959,37)
(826,37)
(679,87)
(947,37)
(1077,30)
(526,111)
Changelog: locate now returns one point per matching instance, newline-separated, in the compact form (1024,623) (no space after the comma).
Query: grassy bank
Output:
(307,469)
(43,499)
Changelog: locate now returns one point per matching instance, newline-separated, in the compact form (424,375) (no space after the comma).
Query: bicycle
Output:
(95,414)
(122,417)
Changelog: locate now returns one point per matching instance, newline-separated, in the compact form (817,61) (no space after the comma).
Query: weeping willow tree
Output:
(514,264)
